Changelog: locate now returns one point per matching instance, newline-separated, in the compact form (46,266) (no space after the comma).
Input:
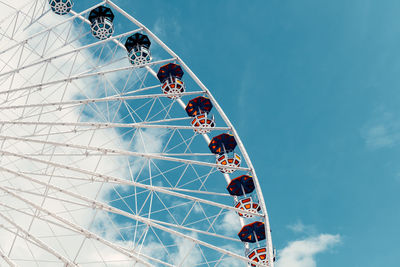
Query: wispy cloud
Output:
(382,131)
(380,136)
(166,27)
(300,228)
(301,253)
(230,223)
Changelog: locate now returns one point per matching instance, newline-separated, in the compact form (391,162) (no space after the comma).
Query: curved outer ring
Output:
(224,117)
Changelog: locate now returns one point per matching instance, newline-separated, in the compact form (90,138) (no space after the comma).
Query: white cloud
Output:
(65,241)
(301,253)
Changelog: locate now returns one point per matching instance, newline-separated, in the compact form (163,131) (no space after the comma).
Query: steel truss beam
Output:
(158,156)
(115,180)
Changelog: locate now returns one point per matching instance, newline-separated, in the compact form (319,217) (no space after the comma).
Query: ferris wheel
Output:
(113,152)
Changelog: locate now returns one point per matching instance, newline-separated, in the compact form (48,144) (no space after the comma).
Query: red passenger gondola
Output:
(170,76)
(169,70)
(258,255)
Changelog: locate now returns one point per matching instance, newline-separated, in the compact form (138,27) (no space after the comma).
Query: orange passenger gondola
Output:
(253,232)
(198,105)
(222,144)
(241,185)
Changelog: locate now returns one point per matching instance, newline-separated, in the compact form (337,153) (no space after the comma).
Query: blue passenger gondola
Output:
(137,39)
(138,47)
(101,19)
(61,7)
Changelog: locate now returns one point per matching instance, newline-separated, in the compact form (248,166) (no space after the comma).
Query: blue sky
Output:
(312,89)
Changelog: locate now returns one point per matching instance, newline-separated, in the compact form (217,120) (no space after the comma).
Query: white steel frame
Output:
(97,150)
